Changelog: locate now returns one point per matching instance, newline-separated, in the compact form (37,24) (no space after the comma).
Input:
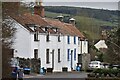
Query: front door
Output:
(71,59)
(79,58)
(53,58)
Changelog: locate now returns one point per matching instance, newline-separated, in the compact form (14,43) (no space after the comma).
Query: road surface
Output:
(59,76)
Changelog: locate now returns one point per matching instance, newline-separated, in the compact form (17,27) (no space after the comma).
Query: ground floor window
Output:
(58,55)
(47,56)
(35,53)
(75,54)
(68,54)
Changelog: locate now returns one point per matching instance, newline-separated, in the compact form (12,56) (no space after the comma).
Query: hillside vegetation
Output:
(90,26)
(105,15)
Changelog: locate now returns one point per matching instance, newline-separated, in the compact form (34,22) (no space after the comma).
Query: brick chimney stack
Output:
(39,9)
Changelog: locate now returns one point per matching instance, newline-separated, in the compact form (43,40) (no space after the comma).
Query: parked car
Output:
(95,65)
(115,66)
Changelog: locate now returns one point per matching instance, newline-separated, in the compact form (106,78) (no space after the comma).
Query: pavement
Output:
(32,75)
(56,75)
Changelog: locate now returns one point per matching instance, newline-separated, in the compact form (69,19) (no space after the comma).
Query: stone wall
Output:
(85,61)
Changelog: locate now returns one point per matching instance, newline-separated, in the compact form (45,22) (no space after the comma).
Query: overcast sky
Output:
(99,4)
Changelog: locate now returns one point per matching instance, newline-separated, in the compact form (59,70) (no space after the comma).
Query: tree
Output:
(113,52)
(7,34)
(9,10)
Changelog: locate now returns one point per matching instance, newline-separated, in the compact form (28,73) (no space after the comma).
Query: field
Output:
(89,26)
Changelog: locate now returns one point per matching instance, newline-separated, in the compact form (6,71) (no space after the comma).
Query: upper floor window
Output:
(35,53)
(47,56)
(58,55)
(68,39)
(36,36)
(74,39)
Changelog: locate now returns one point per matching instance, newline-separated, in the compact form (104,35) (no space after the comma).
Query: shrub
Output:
(114,71)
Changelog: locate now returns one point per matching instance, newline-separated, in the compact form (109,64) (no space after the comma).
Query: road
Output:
(59,76)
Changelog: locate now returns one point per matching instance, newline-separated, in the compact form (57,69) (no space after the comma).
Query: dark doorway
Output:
(53,59)
(79,58)
(71,59)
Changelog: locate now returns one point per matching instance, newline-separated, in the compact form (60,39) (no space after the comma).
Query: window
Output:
(84,42)
(35,53)
(47,56)
(36,36)
(68,39)
(74,39)
(46,29)
(58,55)
(75,54)
(59,38)
(78,40)
(47,37)
(68,54)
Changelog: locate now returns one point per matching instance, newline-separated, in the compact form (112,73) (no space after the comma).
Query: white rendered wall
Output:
(70,46)
(25,45)
(53,44)
(21,43)
(84,46)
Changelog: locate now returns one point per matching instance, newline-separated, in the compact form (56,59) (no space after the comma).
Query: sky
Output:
(77,0)
(98,4)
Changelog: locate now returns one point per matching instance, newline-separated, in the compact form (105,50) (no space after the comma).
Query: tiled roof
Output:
(64,28)
(28,18)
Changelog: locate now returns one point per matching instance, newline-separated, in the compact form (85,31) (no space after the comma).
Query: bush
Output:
(114,72)
(105,72)
(89,70)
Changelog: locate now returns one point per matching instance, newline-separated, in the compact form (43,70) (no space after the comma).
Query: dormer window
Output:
(48,37)
(35,28)
(31,26)
(56,29)
(46,29)
(59,40)
(36,36)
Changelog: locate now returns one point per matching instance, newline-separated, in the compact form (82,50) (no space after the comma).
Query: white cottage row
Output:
(56,43)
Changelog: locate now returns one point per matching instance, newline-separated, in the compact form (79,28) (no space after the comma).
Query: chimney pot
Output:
(72,21)
(60,18)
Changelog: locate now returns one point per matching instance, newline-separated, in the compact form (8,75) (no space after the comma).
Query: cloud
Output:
(81,0)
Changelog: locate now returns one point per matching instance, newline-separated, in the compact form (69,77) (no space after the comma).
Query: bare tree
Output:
(7,34)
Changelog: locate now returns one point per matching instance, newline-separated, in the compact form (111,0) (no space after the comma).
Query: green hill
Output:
(101,14)
(89,26)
